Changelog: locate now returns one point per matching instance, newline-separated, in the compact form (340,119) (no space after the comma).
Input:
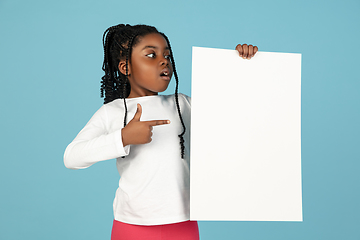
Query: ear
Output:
(122,67)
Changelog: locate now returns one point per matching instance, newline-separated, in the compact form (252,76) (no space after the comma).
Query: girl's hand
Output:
(139,132)
(246,51)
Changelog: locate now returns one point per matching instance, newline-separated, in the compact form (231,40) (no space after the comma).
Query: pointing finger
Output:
(157,122)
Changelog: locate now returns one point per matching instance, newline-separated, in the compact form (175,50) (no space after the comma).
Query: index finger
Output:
(239,49)
(157,122)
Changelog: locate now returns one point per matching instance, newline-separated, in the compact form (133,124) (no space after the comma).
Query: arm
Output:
(94,143)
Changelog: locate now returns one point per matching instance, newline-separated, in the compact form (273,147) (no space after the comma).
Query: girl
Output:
(148,134)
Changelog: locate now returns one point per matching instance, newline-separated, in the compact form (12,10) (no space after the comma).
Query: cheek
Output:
(147,73)
(171,69)
(171,66)
(142,70)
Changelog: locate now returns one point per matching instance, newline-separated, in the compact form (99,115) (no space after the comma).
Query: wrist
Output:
(123,138)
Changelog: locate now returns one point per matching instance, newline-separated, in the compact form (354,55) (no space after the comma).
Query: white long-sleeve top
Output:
(154,179)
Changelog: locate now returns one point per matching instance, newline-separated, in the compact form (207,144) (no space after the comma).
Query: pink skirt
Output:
(177,231)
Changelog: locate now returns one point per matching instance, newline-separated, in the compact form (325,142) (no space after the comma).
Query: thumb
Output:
(138,113)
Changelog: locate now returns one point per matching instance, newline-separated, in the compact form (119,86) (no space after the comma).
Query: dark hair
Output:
(118,42)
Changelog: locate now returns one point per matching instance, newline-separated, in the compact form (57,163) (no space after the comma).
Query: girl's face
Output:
(150,69)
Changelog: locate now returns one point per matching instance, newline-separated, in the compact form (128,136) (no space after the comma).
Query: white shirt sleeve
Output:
(94,143)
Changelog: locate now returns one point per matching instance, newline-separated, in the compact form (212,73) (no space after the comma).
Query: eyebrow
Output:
(167,48)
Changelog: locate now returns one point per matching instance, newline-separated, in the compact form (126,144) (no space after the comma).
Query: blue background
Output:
(50,67)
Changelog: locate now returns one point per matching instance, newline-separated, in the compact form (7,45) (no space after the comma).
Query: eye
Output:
(151,55)
(168,57)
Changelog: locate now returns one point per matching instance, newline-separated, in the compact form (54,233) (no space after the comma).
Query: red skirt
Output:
(177,231)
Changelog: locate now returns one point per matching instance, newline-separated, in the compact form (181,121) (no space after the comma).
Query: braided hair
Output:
(118,42)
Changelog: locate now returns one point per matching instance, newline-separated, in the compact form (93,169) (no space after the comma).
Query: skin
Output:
(246,51)
(149,58)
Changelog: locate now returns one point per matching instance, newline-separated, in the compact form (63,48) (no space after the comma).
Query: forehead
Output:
(151,39)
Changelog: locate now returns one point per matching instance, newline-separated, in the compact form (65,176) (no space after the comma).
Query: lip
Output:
(167,78)
(167,71)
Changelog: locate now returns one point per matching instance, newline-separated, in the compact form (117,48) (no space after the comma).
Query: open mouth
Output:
(165,74)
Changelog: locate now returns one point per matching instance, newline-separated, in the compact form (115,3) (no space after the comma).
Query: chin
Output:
(163,89)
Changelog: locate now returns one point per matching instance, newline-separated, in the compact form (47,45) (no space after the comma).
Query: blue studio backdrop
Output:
(50,68)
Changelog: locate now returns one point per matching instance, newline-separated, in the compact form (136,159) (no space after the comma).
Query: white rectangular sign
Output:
(245,136)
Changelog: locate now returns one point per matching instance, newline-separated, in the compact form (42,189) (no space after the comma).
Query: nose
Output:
(164,61)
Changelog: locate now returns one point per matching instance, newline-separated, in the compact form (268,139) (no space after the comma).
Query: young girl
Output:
(148,134)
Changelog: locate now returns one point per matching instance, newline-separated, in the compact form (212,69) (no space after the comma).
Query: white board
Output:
(245,136)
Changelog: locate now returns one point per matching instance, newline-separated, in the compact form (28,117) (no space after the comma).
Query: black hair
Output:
(118,42)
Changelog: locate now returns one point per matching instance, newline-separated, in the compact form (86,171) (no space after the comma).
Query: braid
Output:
(181,135)
(118,42)
(112,78)
(128,55)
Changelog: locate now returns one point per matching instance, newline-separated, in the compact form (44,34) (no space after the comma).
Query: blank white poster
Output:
(245,136)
